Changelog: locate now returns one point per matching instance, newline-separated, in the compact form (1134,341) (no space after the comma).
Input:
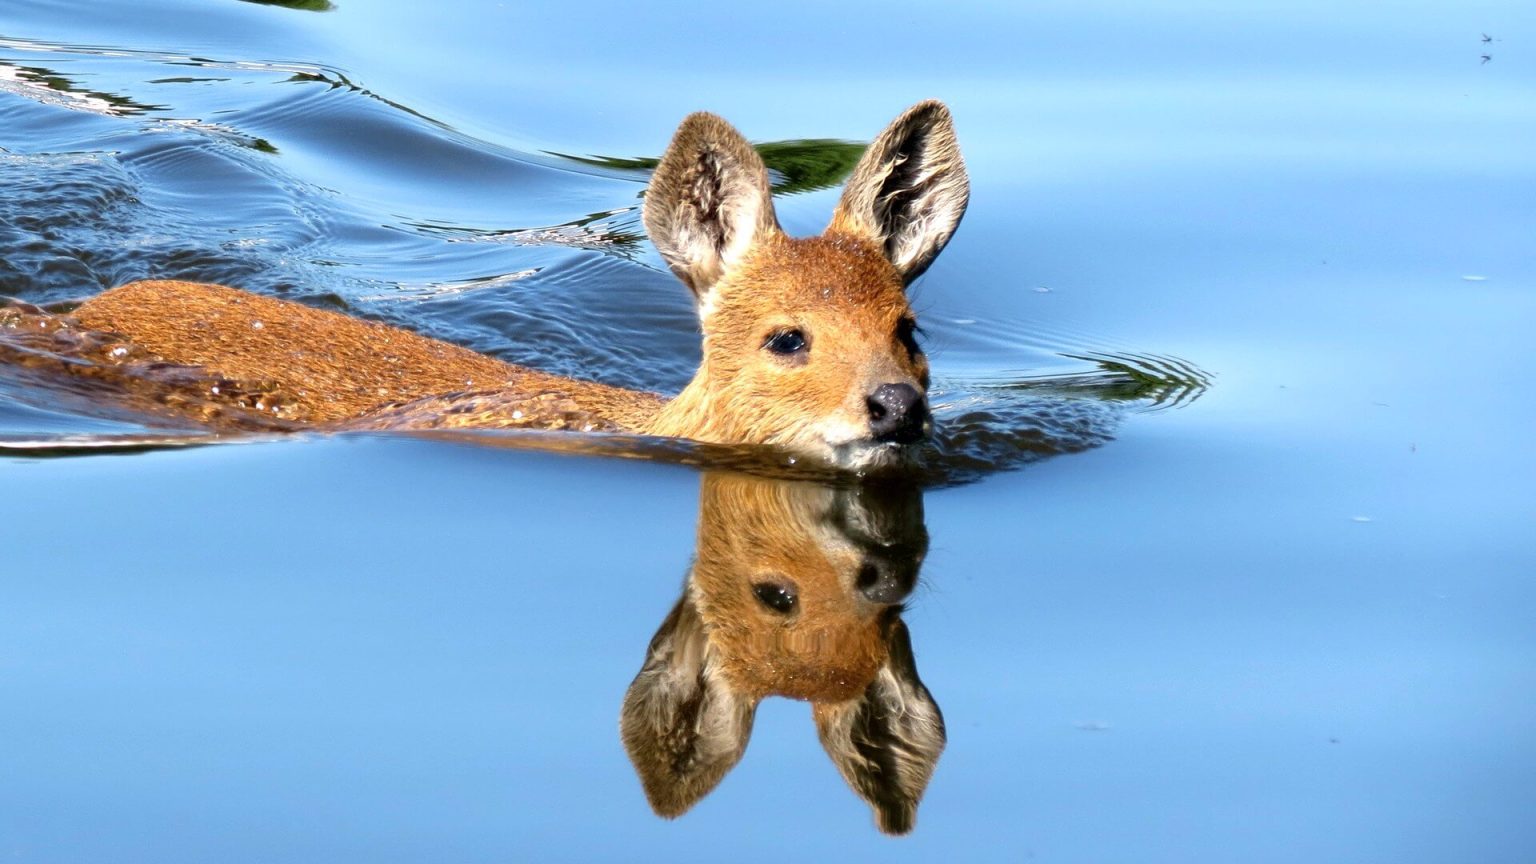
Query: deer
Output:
(796,590)
(809,344)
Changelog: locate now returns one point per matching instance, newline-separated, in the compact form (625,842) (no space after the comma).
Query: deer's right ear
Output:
(709,201)
(886,742)
(909,190)
(682,725)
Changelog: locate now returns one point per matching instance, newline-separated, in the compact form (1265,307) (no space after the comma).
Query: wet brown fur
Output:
(333,367)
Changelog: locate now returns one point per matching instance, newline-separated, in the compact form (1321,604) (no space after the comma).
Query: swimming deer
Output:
(809,344)
(795,591)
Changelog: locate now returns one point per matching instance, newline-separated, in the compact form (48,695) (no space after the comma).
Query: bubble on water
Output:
(256,325)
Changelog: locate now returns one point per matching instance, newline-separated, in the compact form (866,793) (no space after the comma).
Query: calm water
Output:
(1230,556)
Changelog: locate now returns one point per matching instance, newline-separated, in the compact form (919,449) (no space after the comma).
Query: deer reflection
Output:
(796,591)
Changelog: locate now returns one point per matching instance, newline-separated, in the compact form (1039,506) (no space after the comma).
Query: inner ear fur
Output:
(682,725)
(909,190)
(887,741)
(709,201)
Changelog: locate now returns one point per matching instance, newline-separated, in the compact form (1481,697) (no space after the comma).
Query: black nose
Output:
(897,414)
(887,582)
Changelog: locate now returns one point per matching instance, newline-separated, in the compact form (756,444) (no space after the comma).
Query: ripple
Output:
(616,232)
(50,88)
(590,317)
(976,437)
(1155,381)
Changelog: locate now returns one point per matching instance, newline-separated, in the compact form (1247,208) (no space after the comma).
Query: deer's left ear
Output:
(886,742)
(909,190)
(682,724)
(709,202)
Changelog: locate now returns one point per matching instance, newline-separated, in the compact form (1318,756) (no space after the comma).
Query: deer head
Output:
(809,343)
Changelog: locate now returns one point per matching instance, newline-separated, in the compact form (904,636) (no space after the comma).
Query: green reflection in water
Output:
(801,165)
(1158,381)
(50,87)
(305,5)
(76,95)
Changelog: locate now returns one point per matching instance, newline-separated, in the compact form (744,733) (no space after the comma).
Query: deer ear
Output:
(709,201)
(682,725)
(886,742)
(909,190)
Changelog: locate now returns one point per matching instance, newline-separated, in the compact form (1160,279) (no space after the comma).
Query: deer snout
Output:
(898,414)
(886,581)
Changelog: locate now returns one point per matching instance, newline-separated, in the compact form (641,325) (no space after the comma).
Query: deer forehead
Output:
(835,277)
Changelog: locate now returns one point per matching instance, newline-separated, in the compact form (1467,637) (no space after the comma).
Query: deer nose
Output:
(886,582)
(897,414)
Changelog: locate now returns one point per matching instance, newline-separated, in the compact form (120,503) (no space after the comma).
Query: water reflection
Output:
(305,5)
(800,165)
(615,232)
(52,88)
(796,591)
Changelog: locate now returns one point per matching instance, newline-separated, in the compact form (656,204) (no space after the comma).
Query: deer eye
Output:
(776,596)
(906,334)
(786,343)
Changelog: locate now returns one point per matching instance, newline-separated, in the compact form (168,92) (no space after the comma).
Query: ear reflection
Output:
(796,591)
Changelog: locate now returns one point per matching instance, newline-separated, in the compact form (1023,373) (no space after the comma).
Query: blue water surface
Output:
(1289,620)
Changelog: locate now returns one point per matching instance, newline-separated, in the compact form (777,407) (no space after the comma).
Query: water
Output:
(1261,591)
